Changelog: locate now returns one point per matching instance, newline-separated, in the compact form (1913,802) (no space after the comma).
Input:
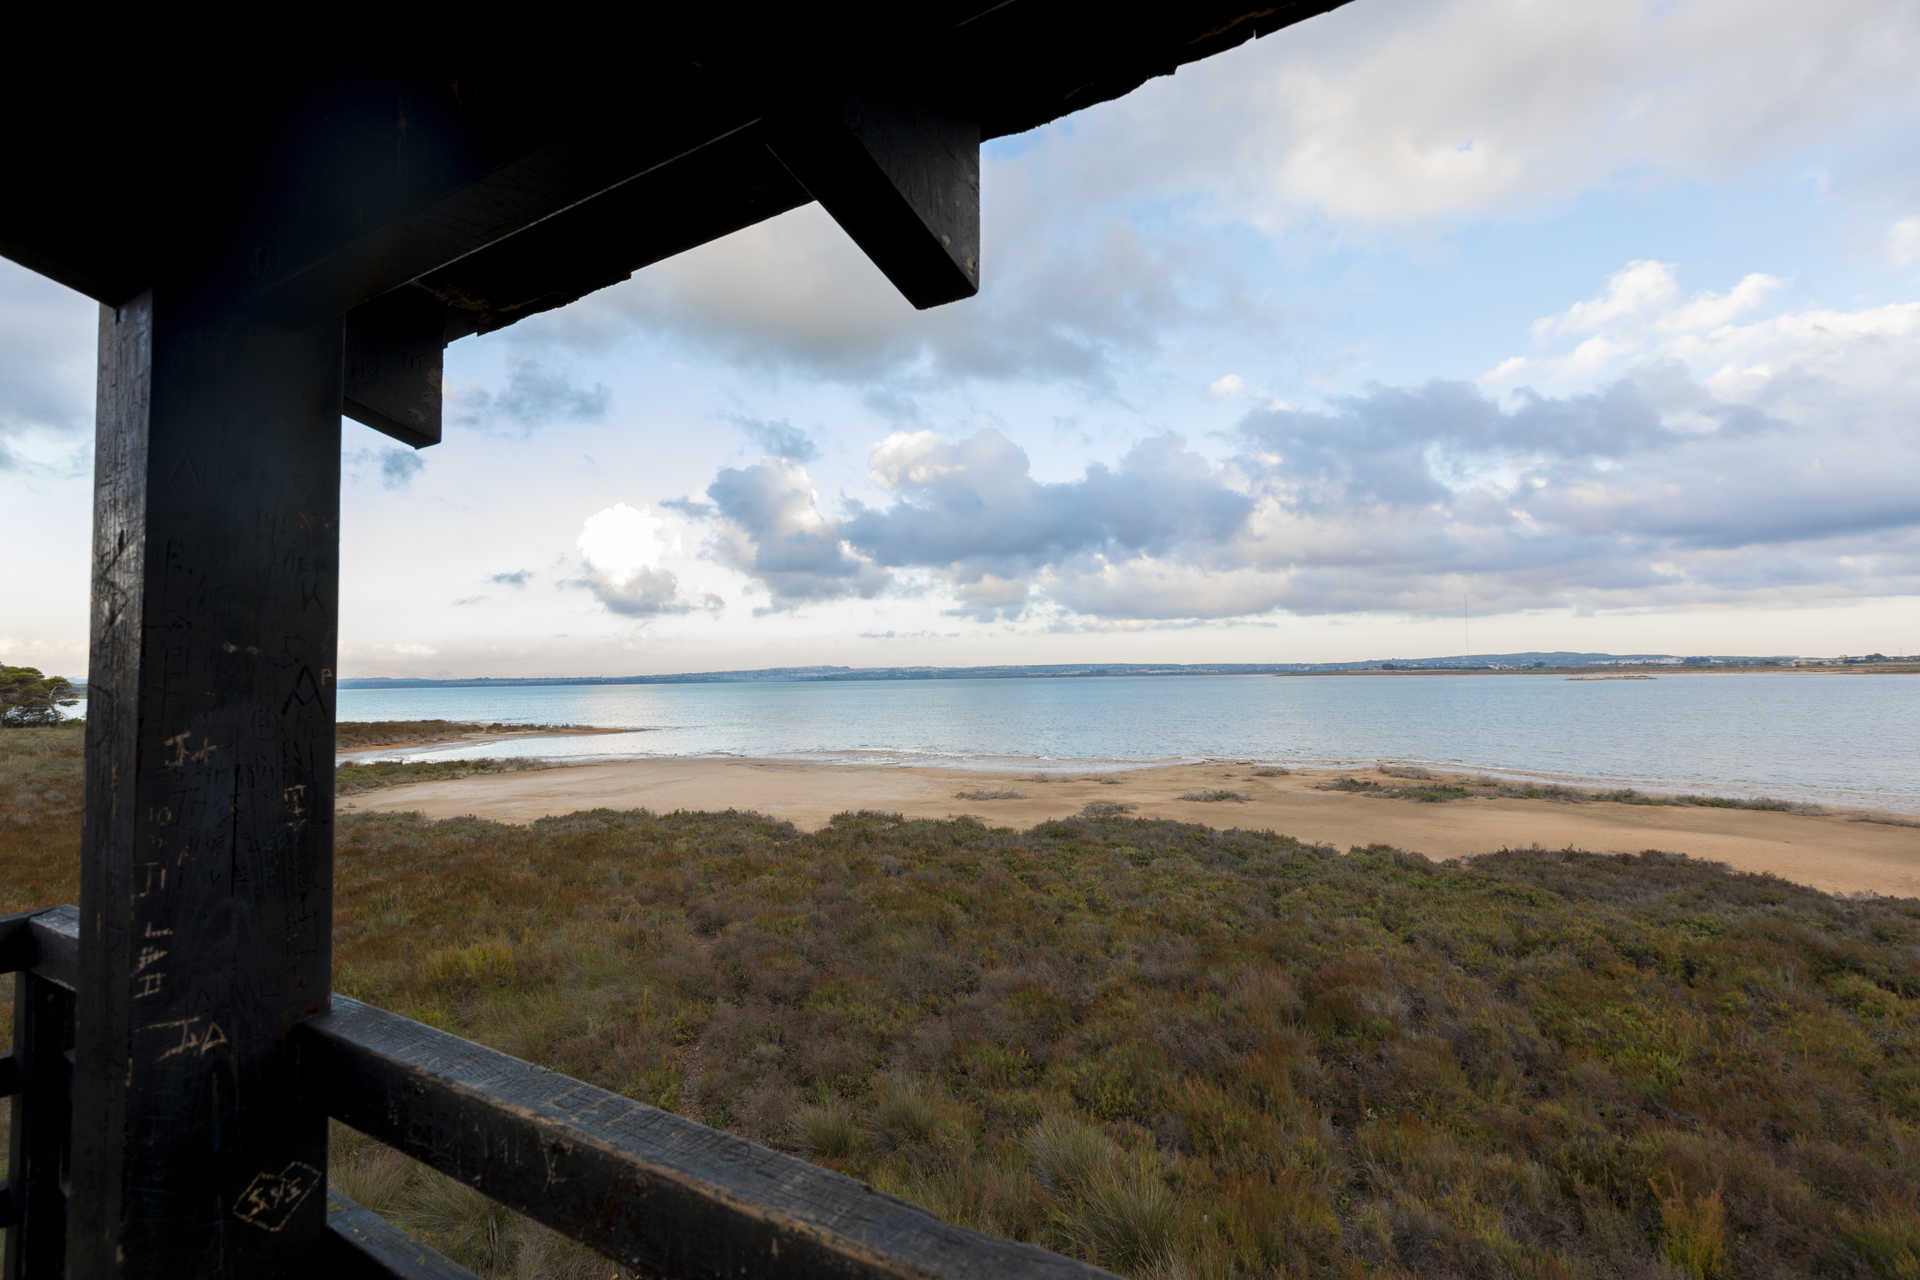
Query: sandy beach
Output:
(1832,852)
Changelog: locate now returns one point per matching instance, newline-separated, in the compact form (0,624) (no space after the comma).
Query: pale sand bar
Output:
(1827,852)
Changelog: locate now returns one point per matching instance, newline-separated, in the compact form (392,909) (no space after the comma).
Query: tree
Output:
(27,697)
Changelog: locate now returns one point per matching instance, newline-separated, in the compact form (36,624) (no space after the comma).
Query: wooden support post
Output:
(901,178)
(206,884)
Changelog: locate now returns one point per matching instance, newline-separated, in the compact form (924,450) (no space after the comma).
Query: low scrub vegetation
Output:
(1430,793)
(351,735)
(1440,788)
(982,793)
(1171,1050)
(1216,795)
(349,778)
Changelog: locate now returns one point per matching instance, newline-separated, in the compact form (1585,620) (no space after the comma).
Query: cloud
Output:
(516,578)
(621,548)
(399,466)
(48,335)
(779,439)
(689,507)
(1903,242)
(1072,303)
(1709,453)
(1647,293)
(972,507)
(771,528)
(1350,116)
(535,395)
(1227,385)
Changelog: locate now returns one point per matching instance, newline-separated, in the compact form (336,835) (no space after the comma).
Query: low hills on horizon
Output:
(1557,660)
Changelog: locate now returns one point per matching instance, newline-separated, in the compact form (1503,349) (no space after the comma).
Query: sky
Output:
(1415,329)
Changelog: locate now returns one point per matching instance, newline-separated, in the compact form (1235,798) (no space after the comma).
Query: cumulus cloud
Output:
(972,507)
(770,527)
(779,439)
(535,395)
(1712,453)
(621,550)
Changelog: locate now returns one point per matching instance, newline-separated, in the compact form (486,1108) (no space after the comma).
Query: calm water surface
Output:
(1838,739)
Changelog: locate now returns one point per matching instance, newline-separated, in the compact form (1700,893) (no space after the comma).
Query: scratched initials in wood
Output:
(270,1199)
(181,742)
(194,1037)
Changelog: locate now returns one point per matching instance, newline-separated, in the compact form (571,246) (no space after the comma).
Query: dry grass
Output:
(1172,1050)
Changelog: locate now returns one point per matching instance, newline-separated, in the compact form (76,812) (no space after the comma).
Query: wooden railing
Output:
(653,1191)
(42,951)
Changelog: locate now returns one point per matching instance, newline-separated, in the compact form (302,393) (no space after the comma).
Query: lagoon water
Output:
(1844,740)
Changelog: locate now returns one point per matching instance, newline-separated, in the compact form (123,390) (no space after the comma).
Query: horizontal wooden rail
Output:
(361,1245)
(643,1186)
(45,943)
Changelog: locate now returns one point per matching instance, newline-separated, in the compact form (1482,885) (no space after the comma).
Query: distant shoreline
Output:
(1124,671)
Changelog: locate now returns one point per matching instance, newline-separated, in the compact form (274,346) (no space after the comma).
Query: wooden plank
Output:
(206,877)
(38,1129)
(46,941)
(710,192)
(394,349)
(361,1245)
(56,945)
(903,179)
(16,941)
(645,1187)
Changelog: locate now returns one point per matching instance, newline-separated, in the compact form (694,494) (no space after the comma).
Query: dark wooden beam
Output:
(394,357)
(643,1186)
(206,892)
(45,942)
(361,1245)
(903,179)
(38,1128)
(709,192)
(56,945)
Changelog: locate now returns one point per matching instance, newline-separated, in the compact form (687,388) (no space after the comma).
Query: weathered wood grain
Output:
(56,945)
(394,347)
(641,1185)
(902,177)
(206,877)
(361,1245)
